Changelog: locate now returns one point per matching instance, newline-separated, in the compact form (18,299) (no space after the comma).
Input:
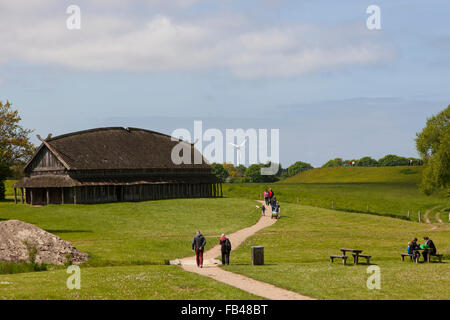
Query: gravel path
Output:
(211,266)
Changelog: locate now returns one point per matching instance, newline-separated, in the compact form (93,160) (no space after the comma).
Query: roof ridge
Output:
(128,129)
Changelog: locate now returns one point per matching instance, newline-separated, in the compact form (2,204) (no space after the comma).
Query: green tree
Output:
(219,171)
(392,160)
(253,174)
(433,144)
(334,163)
(4,173)
(15,145)
(367,162)
(298,167)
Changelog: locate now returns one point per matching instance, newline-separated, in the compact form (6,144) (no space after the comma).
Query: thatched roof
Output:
(117,148)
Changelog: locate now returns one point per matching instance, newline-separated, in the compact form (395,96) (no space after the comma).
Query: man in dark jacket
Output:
(431,248)
(198,244)
(225,248)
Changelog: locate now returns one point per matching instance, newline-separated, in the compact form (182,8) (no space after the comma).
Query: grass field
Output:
(130,244)
(138,237)
(389,191)
(298,246)
(411,175)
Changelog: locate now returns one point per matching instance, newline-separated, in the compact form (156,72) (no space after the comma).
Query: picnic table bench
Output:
(344,258)
(410,255)
(354,251)
(356,257)
(439,256)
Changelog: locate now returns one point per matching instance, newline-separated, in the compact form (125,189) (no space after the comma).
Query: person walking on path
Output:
(225,248)
(266,197)
(198,244)
(273,203)
(271,194)
(263,210)
(278,209)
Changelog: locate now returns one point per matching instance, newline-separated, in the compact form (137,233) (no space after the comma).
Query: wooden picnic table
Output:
(356,252)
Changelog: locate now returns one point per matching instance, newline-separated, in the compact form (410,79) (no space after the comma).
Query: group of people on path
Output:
(270,199)
(199,243)
(413,248)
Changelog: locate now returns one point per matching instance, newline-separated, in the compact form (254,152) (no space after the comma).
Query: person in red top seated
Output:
(225,248)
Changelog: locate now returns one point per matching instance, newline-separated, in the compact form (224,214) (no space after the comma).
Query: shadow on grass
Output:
(68,231)
(250,265)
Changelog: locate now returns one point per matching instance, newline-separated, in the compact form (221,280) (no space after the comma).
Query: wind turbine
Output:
(238,148)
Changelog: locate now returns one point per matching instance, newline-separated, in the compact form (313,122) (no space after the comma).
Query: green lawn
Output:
(298,246)
(402,174)
(131,234)
(127,282)
(390,199)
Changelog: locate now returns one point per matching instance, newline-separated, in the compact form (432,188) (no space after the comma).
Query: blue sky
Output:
(309,68)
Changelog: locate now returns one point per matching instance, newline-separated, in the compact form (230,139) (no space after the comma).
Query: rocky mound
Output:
(19,241)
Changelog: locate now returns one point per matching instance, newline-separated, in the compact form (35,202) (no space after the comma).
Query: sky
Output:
(311,69)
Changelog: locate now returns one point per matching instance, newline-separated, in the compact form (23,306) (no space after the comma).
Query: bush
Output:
(367,162)
(298,167)
(253,174)
(392,160)
(219,171)
(334,163)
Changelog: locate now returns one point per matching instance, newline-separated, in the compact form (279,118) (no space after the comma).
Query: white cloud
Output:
(247,49)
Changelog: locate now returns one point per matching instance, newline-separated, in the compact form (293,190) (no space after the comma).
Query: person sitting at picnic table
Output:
(429,244)
(413,248)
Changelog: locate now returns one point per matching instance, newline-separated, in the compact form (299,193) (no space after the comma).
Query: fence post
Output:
(332,204)
(297,200)
(408,215)
(367,207)
(419,216)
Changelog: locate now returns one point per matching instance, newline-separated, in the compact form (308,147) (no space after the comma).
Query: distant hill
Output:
(358,175)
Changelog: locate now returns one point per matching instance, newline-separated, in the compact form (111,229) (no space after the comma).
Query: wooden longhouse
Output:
(109,165)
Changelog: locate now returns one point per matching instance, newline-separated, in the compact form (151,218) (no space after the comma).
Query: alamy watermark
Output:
(74,280)
(374,280)
(374,20)
(212,142)
(73,22)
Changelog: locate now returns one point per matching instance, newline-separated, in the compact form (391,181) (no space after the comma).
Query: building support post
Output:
(47,193)
(15,195)
(221,191)
(21,195)
(31,196)
(62,195)
(74,195)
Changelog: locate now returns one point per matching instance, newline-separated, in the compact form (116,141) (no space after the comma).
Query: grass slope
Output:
(359,175)
(389,199)
(298,246)
(141,237)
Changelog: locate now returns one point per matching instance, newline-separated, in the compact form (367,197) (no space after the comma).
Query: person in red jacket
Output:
(225,248)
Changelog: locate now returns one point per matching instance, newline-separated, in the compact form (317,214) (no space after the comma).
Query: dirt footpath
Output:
(211,266)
